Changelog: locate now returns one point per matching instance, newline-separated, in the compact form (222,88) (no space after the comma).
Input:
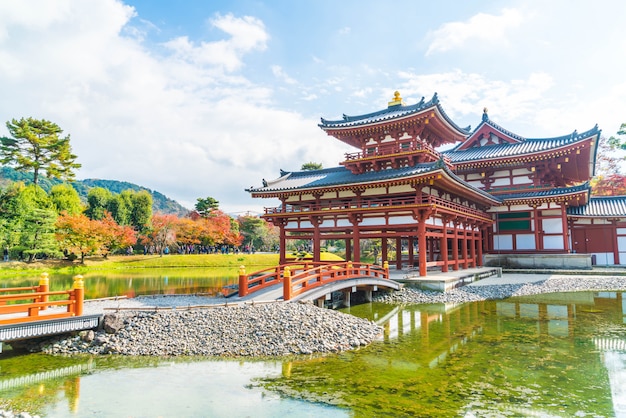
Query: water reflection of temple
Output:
(444,329)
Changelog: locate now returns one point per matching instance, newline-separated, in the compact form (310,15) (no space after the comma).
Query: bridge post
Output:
(386,268)
(243,281)
(320,302)
(78,292)
(44,287)
(287,283)
(368,294)
(346,298)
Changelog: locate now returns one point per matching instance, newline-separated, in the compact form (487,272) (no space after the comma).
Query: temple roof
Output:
(338,176)
(601,206)
(555,191)
(523,147)
(392,112)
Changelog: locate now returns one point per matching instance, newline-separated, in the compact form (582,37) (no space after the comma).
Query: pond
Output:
(547,355)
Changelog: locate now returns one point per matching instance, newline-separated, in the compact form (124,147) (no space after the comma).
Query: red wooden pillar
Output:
(444,245)
(411,258)
(615,243)
(399,253)
(282,258)
(317,241)
(473,246)
(421,241)
(565,228)
(355,219)
(482,234)
(348,249)
(464,246)
(383,250)
(455,245)
(537,223)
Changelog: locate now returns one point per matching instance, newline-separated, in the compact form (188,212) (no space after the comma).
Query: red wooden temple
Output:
(492,194)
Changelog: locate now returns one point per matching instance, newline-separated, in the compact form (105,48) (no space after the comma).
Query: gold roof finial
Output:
(397,99)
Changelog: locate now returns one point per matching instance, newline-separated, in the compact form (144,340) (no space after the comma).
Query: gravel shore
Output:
(149,326)
(273,329)
(479,291)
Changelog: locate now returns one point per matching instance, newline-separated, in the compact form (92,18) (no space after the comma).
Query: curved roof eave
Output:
(392,113)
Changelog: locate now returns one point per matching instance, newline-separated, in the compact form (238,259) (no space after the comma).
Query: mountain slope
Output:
(160,202)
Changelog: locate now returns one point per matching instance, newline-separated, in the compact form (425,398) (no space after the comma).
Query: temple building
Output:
(492,197)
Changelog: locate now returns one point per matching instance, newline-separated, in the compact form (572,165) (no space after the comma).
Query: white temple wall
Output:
(503,242)
(525,241)
(552,226)
(553,242)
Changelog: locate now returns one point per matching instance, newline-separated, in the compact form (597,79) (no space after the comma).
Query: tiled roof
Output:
(524,147)
(392,112)
(601,206)
(557,191)
(337,176)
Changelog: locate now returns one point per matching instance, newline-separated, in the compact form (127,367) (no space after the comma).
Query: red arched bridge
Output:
(314,280)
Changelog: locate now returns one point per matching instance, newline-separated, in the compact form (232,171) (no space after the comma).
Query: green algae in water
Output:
(479,359)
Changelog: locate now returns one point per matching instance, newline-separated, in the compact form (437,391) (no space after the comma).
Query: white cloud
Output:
(247,34)
(185,124)
(279,73)
(482,27)
(464,95)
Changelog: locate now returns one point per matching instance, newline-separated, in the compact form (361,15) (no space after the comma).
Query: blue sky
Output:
(207,98)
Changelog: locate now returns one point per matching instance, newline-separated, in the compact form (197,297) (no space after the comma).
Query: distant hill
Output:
(160,202)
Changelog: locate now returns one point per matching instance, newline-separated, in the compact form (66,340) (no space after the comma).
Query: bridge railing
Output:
(39,298)
(250,283)
(294,285)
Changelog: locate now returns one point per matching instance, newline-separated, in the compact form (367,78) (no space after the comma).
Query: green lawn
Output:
(116,263)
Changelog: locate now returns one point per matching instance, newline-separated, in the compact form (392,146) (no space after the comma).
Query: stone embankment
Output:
(274,329)
(10,414)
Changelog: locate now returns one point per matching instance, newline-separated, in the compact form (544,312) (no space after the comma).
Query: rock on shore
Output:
(275,329)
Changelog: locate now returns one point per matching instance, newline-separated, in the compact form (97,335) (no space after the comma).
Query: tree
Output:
(35,145)
(113,236)
(310,166)
(97,202)
(162,232)
(65,199)
(253,229)
(141,211)
(77,234)
(205,206)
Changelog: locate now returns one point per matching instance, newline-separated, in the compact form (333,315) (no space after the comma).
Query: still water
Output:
(557,355)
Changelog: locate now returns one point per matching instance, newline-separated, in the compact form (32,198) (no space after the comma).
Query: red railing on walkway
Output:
(297,278)
(39,301)
(294,285)
(250,283)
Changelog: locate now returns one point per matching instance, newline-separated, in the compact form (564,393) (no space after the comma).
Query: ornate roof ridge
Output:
(391,109)
(391,112)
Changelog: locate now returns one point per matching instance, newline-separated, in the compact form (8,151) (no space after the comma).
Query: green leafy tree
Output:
(97,202)
(311,166)
(141,212)
(36,146)
(37,235)
(205,206)
(65,199)
(120,209)
(28,218)
(253,230)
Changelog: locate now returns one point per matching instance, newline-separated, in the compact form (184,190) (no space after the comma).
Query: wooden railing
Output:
(250,283)
(39,300)
(297,278)
(294,285)
(391,202)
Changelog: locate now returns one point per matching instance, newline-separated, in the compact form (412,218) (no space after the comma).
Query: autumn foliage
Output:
(610,185)
(79,234)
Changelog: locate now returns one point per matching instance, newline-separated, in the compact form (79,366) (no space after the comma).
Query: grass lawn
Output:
(122,262)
